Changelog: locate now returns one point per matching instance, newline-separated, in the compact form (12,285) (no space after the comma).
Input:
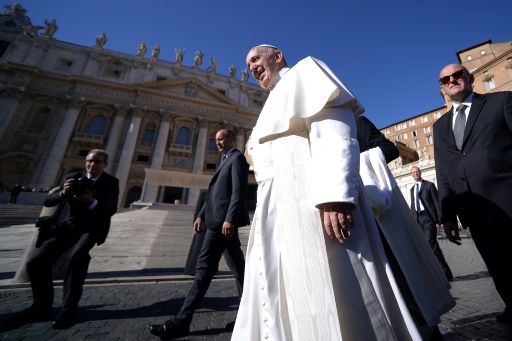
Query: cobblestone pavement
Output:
(123,311)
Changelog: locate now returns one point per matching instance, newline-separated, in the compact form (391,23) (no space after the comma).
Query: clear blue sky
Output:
(389,53)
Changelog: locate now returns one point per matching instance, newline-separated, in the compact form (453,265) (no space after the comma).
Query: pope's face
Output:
(457,88)
(264,65)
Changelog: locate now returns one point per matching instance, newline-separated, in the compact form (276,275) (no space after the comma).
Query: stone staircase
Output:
(18,214)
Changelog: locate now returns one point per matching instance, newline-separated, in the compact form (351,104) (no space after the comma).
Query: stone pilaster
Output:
(9,99)
(193,193)
(114,136)
(130,141)
(60,144)
(150,192)
(240,139)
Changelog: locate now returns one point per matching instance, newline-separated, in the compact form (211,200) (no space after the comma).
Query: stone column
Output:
(240,139)
(114,135)
(193,193)
(125,160)
(150,191)
(10,97)
(54,161)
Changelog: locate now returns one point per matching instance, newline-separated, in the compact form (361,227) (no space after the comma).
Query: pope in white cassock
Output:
(315,267)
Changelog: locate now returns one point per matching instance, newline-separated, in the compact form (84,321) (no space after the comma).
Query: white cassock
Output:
(299,283)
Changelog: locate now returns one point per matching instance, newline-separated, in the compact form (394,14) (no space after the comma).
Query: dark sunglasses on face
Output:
(456,75)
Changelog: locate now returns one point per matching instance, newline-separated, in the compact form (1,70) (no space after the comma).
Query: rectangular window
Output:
(64,64)
(424,119)
(404,125)
(426,130)
(405,136)
(429,139)
(112,73)
(399,137)
(414,133)
(388,132)
(412,123)
(490,84)
(3,47)
(437,115)
(83,152)
(416,143)
(143,158)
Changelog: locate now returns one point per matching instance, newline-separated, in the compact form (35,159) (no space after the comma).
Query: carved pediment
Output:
(189,87)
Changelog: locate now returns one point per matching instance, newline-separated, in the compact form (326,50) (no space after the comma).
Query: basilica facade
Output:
(58,100)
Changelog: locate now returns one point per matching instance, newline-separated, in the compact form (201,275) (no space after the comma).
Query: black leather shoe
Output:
(169,330)
(64,321)
(504,317)
(32,314)
(229,326)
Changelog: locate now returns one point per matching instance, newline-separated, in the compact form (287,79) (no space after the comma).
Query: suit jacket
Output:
(481,172)
(370,137)
(97,220)
(225,200)
(428,197)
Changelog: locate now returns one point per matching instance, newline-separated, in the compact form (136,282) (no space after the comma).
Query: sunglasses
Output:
(456,75)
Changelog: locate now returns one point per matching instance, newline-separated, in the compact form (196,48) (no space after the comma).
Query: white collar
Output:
(280,74)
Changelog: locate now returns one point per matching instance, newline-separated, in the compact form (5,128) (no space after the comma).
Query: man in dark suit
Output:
(197,240)
(473,151)
(91,200)
(425,208)
(223,212)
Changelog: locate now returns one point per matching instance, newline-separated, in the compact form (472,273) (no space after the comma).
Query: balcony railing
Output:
(180,148)
(84,137)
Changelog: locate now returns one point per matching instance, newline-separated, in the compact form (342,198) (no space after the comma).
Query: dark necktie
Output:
(418,207)
(224,157)
(460,125)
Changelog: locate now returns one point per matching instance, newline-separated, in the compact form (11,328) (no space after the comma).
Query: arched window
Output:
(212,145)
(97,125)
(183,136)
(149,135)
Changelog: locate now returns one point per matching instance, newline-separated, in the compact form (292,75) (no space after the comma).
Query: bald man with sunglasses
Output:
(473,151)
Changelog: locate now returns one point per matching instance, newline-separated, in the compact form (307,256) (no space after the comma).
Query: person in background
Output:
(425,208)
(91,196)
(473,150)
(15,192)
(223,212)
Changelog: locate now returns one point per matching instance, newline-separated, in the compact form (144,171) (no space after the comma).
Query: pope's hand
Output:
(337,218)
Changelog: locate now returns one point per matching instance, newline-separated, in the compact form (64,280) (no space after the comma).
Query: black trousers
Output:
(214,245)
(39,268)
(430,232)
(492,239)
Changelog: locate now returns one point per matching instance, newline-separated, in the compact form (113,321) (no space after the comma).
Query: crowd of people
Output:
(334,250)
